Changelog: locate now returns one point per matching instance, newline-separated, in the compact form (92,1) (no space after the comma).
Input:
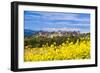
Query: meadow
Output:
(57,48)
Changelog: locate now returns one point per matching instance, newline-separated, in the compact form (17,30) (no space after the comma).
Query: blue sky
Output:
(54,21)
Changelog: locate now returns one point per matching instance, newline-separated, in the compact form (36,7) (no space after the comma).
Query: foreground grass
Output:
(65,51)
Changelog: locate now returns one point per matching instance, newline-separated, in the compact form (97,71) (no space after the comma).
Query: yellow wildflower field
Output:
(65,51)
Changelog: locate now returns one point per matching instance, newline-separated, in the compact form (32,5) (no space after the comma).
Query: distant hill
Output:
(28,32)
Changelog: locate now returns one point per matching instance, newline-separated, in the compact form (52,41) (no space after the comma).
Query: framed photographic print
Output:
(52,36)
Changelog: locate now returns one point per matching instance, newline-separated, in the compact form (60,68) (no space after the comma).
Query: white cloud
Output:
(58,16)
(61,29)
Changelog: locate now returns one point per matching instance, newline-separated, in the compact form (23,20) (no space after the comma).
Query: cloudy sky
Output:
(54,21)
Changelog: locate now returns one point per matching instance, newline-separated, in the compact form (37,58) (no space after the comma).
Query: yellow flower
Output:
(65,51)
